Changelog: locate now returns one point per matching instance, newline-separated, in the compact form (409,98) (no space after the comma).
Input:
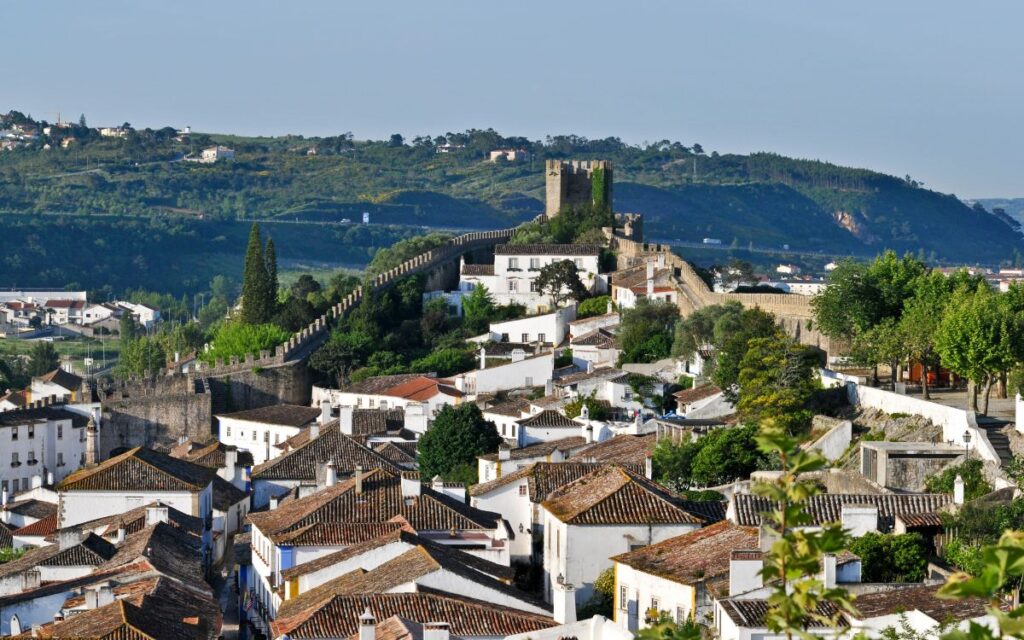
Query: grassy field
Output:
(73,352)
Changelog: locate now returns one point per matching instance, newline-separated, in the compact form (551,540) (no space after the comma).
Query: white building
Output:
(509,460)
(787,269)
(549,328)
(57,384)
(520,372)
(114,132)
(388,392)
(606,384)
(215,154)
(601,515)
(259,432)
(46,443)
(597,348)
(509,155)
(64,311)
(146,316)
(651,281)
(98,312)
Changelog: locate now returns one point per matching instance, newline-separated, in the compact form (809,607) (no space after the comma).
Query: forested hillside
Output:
(686,194)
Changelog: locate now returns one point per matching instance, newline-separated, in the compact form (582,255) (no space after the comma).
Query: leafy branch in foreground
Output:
(1001,564)
(798,600)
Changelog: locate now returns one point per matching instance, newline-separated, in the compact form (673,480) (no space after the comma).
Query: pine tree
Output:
(256,296)
(270,255)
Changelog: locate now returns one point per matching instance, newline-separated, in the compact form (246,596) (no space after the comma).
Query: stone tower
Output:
(577,182)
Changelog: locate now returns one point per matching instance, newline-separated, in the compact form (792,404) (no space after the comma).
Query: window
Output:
(503,431)
(623,597)
(371,401)
(60,430)
(254,435)
(266,436)
(359,402)
(533,286)
(504,337)
(15,462)
(31,431)
(523,489)
(513,286)
(535,263)
(14,432)
(526,337)
(15,484)
(277,439)
(528,381)
(540,337)
(513,263)
(227,431)
(558,544)
(578,262)
(680,615)
(60,459)
(655,604)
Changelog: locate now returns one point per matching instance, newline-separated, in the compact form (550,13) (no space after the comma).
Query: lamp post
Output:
(967,444)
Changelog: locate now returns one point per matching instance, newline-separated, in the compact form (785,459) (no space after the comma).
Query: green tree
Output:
(445,362)
(778,378)
(603,598)
(270,255)
(477,309)
(704,327)
(128,327)
(560,280)
(42,358)
(725,455)
(142,356)
(733,335)
(240,339)
(672,462)
(887,557)
(457,436)
(258,298)
(596,306)
(595,409)
(645,331)
(970,471)
(341,354)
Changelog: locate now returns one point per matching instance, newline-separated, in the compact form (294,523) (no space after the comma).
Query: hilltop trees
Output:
(645,333)
(259,280)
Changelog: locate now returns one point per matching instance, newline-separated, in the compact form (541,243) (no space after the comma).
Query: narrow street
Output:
(224,586)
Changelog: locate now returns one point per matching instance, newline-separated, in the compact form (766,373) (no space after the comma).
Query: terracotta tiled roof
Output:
(27,415)
(63,379)
(422,389)
(513,407)
(139,469)
(376,385)
(600,338)
(478,269)
(623,449)
(6,539)
(211,455)
(541,478)
(699,556)
(547,250)
(135,521)
(636,277)
(167,549)
(304,461)
(916,520)
(32,508)
(43,527)
(380,500)
(225,494)
(398,628)
(466,617)
(751,614)
(604,373)
(612,495)
(17,398)
(365,422)
(547,419)
(91,551)
(921,598)
(541,449)
(287,415)
(335,533)
(826,508)
(399,453)
(687,396)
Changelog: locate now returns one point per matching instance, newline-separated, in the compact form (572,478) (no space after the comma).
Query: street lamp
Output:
(967,443)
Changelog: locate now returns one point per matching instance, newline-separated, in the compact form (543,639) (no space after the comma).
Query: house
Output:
(145,315)
(508,460)
(745,619)
(704,401)
(75,555)
(697,364)
(13,400)
(259,432)
(117,527)
(605,383)
(608,320)
(597,348)
(447,147)
(608,512)
(920,606)
(402,390)
(64,311)
(210,155)
(518,496)
(650,281)
(137,477)
(624,449)
(24,512)
(509,155)
(114,132)
(94,313)
(58,383)
(505,413)
(595,628)
(42,442)
(545,329)
(227,461)
(787,269)
(681,576)
(302,469)
(520,372)
(858,513)
(368,500)
(511,279)
(549,425)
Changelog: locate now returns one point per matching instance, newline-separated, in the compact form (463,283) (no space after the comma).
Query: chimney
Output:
(858,519)
(69,537)
(37,480)
(122,533)
(31,579)
(410,485)
(745,571)
(585,412)
(661,259)
(91,599)
(331,474)
(345,419)
(314,430)
(230,460)
(58,617)
(367,626)
(590,366)
(91,444)
(156,513)
(504,452)
(3,497)
(564,603)
(435,631)
(649,468)
(49,478)
(549,387)
(650,279)
(483,358)
(359,479)
(766,536)
(609,308)
(437,484)
(638,423)
(958,490)
(828,570)
(325,411)
(104,595)
(588,432)
(274,501)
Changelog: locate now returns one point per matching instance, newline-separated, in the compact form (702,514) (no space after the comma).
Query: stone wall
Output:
(157,420)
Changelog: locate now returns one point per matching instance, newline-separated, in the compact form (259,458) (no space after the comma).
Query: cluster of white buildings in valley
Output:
(24,313)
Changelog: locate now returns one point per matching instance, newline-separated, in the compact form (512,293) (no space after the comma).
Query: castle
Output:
(577,182)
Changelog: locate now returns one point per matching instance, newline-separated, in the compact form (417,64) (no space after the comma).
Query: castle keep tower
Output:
(577,182)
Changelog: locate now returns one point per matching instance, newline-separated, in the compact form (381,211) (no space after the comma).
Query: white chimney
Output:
(649,467)
(435,631)
(483,358)
(3,497)
(828,570)
(346,417)
(69,537)
(37,481)
(91,599)
(564,603)
(230,460)
(437,484)
(585,412)
(91,443)
(410,485)
(504,452)
(331,474)
(588,432)
(104,595)
(549,387)
(661,259)
(367,626)
(358,474)
(314,431)
(325,411)
(958,490)
(608,308)
(156,513)
(859,519)
(745,571)
(650,279)
(122,532)
(49,478)
(274,501)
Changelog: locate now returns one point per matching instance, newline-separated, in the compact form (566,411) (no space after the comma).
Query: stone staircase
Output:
(994,431)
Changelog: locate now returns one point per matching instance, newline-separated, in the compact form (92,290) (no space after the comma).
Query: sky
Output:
(927,88)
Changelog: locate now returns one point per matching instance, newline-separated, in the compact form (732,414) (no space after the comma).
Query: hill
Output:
(762,200)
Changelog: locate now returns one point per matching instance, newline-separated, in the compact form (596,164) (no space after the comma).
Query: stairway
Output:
(994,430)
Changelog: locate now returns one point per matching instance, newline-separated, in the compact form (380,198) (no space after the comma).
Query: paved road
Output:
(224,584)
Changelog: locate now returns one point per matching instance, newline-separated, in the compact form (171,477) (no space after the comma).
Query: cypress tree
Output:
(270,255)
(255,281)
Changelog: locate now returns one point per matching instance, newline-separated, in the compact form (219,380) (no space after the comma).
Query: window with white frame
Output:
(513,286)
(513,263)
(623,597)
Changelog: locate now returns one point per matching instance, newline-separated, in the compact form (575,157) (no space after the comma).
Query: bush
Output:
(450,447)
(891,558)
(975,484)
(590,307)
(603,599)
(597,410)
(239,339)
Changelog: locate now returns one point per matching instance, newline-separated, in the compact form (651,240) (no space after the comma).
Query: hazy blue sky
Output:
(930,88)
